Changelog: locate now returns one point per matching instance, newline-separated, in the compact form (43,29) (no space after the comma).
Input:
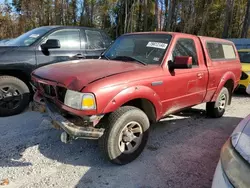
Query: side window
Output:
(107,39)
(220,51)
(94,40)
(228,51)
(215,50)
(69,39)
(186,47)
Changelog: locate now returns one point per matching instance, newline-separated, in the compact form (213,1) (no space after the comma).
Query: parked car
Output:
(244,83)
(39,47)
(139,79)
(233,168)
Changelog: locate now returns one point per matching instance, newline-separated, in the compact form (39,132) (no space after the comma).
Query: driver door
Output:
(186,87)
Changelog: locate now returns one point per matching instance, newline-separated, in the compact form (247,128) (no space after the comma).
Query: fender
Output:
(135,92)
(227,76)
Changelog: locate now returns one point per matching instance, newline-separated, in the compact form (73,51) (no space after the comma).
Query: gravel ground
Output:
(182,151)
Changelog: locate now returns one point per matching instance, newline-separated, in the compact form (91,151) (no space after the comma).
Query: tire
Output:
(216,109)
(111,144)
(14,96)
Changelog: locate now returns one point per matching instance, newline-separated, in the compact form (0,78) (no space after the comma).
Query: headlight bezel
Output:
(75,100)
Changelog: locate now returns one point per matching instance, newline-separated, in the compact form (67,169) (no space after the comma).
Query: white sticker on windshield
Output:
(34,36)
(157,45)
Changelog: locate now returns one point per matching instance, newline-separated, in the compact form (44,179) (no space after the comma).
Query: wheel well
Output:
(18,74)
(146,106)
(230,86)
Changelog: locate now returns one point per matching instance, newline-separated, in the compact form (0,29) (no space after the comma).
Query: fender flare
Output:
(227,76)
(132,93)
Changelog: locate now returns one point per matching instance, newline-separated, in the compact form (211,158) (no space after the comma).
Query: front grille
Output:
(244,76)
(61,92)
(48,90)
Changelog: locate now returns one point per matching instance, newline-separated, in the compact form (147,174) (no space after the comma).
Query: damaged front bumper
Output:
(71,129)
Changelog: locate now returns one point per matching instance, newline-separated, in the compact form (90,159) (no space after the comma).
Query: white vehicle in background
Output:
(233,169)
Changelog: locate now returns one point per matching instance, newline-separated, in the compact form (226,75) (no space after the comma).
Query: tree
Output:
(228,17)
(246,21)
(216,18)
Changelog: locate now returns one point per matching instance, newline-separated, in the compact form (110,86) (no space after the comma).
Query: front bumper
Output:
(73,130)
(69,127)
(232,170)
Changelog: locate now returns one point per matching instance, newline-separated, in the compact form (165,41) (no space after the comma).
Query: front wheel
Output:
(125,136)
(14,96)
(217,109)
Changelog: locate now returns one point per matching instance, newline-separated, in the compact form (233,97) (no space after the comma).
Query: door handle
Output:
(79,56)
(200,75)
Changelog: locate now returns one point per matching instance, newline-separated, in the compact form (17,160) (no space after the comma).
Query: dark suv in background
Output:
(38,47)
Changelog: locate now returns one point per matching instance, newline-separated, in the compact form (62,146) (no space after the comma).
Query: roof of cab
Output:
(158,32)
(182,34)
(215,39)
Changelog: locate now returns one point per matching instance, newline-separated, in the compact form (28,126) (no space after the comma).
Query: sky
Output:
(1,1)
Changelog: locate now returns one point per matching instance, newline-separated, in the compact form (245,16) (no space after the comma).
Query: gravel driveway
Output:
(182,151)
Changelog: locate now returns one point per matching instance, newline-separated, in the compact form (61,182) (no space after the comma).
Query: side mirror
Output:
(181,62)
(51,43)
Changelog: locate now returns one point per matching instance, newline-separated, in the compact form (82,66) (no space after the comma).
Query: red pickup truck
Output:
(141,78)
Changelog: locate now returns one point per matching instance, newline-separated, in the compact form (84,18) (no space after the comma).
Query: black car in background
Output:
(38,47)
(4,41)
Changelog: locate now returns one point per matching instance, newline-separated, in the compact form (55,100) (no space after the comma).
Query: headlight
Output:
(80,101)
(234,166)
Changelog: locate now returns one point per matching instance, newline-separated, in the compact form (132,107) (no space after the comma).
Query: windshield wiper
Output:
(128,58)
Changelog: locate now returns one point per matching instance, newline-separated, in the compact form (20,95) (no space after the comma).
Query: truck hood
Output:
(77,74)
(241,138)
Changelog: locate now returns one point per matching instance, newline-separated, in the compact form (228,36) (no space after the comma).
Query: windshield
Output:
(142,48)
(244,57)
(29,37)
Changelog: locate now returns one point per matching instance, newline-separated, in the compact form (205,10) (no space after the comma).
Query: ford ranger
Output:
(140,79)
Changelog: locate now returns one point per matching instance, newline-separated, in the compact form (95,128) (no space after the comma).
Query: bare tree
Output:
(228,17)
(156,15)
(145,15)
(246,21)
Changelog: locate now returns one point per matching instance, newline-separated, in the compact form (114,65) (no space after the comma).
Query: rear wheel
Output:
(14,96)
(217,109)
(125,136)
